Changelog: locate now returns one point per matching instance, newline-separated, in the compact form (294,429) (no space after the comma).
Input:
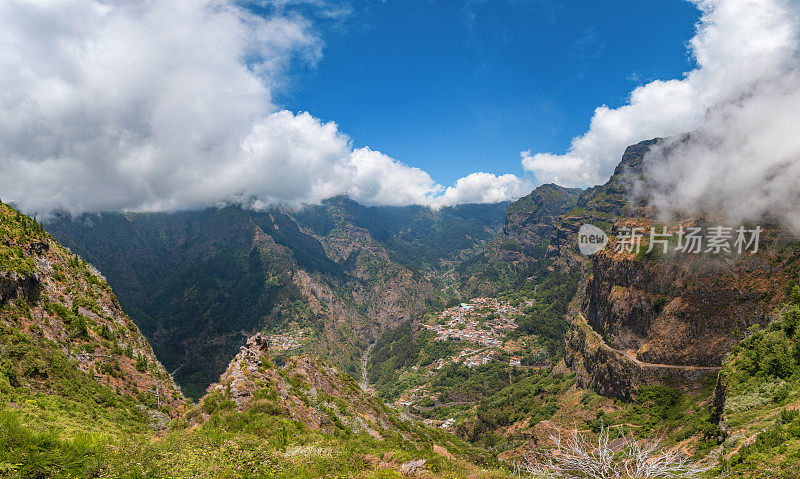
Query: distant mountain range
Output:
(197,283)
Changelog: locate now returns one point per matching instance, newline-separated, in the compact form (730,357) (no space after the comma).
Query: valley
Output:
(344,340)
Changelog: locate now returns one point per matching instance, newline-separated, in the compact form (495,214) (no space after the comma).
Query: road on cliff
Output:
(636,361)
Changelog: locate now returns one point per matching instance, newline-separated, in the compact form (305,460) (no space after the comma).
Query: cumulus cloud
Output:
(378,179)
(483,188)
(743,160)
(738,46)
(742,163)
(162,105)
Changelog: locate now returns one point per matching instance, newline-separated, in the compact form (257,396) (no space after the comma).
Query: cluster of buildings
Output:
(471,358)
(483,320)
(479,359)
(288,340)
(412,395)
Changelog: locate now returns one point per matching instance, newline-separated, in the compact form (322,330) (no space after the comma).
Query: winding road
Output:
(636,361)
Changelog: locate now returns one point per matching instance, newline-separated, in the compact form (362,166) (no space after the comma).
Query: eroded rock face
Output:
(14,285)
(686,310)
(615,374)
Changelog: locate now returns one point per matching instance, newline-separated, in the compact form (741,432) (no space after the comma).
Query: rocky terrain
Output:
(649,329)
(531,219)
(674,309)
(305,389)
(83,395)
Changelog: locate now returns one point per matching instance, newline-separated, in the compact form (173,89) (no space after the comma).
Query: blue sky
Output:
(455,87)
(184,104)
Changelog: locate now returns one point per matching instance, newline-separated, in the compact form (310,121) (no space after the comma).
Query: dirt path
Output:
(633,358)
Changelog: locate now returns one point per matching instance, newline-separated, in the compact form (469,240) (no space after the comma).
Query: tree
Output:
(574,456)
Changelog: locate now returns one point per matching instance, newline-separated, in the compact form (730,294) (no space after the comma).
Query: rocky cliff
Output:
(659,318)
(518,252)
(531,219)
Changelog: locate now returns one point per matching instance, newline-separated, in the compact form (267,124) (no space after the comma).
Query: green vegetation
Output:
(762,375)
(531,397)
(194,281)
(81,395)
(547,317)
(46,436)
(414,236)
(399,350)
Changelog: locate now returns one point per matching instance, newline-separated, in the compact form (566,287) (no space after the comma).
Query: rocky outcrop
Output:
(305,389)
(660,318)
(683,310)
(615,373)
(15,285)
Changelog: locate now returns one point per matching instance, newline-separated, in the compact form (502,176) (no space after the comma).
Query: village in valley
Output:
(474,333)
(484,321)
(481,327)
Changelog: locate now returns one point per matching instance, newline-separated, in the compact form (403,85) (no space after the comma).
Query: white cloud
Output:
(738,44)
(483,188)
(558,169)
(742,163)
(161,105)
(381,180)
(743,160)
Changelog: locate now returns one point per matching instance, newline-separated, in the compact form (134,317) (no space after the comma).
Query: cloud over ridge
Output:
(164,105)
(740,48)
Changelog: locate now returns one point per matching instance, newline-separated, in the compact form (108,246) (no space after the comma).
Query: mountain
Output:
(663,318)
(517,255)
(62,328)
(197,283)
(485,322)
(530,219)
(72,364)
(700,347)
(83,395)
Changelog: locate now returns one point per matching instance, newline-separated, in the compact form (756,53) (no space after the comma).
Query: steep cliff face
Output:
(61,328)
(617,373)
(518,252)
(660,318)
(601,205)
(684,310)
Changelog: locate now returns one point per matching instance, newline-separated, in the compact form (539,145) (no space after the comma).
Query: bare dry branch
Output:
(575,457)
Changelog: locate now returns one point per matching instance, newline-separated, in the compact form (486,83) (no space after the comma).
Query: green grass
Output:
(47,436)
